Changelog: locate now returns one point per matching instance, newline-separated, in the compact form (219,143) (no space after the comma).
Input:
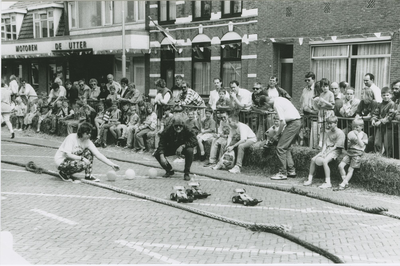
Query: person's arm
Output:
(354,107)
(165,99)
(101,157)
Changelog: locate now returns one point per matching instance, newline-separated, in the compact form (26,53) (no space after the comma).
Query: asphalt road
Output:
(55,222)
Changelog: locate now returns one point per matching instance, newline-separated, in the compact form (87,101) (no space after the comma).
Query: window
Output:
(8,28)
(73,14)
(201,60)
(231,9)
(231,57)
(201,10)
(43,24)
(351,62)
(35,74)
(168,65)
(134,11)
(166,12)
(89,14)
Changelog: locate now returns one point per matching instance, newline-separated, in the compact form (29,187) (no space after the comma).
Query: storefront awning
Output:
(73,52)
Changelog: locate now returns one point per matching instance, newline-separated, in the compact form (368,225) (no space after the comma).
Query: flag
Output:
(165,33)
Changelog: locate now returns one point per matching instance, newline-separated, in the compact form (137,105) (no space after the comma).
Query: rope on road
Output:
(280,230)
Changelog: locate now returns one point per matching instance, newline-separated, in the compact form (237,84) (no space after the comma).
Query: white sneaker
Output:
(279,176)
(307,183)
(325,185)
(235,170)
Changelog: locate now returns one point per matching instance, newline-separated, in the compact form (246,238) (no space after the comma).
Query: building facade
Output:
(211,39)
(74,40)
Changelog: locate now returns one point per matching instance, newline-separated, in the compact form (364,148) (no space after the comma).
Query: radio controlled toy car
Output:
(195,191)
(242,197)
(180,195)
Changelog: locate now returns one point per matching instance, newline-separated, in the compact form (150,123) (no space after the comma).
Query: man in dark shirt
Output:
(176,139)
(72,92)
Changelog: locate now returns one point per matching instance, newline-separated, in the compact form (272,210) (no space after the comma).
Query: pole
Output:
(123,42)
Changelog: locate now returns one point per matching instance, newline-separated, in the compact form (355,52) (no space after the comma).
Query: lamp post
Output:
(123,42)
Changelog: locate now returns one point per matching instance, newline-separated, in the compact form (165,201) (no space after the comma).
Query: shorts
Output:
(205,136)
(329,153)
(354,161)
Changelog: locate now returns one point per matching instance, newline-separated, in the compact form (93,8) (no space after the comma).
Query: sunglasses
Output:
(93,84)
(307,80)
(256,89)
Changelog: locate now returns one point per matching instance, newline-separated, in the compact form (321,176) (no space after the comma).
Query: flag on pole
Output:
(165,33)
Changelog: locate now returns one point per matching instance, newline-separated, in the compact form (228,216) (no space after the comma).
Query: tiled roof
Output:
(61,25)
(25,4)
(27,27)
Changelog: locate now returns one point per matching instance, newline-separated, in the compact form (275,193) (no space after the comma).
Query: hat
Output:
(178,121)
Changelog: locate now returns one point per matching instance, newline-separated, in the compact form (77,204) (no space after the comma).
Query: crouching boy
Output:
(333,144)
(357,141)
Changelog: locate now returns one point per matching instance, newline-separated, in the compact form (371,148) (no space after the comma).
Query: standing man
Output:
(274,90)
(177,88)
(306,99)
(176,139)
(338,98)
(258,91)
(124,87)
(111,81)
(240,97)
(13,86)
(369,80)
(289,116)
(214,94)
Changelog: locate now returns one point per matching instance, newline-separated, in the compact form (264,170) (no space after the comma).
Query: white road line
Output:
(34,156)
(55,217)
(67,196)
(213,249)
(147,252)
(14,170)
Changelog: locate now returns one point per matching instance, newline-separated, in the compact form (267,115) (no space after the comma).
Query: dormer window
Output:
(8,28)
(43,22)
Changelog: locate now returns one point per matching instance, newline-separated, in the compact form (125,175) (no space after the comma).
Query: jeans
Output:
(216,143)
(284,149)
(139,141)
(240,151)
(188,152)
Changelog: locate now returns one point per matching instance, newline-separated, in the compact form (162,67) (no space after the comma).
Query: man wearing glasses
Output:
(258,91)
(176,139)
(111,81)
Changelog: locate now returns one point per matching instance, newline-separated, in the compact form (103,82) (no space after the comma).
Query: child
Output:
(223,101)
(192,123)
(20,112)
(133,124)
(332,148)
(145,127)
(99,118)
(270,133)
(113,96)
(207,131)
(32,112)
(357,141)
(119,129)
(110,117)
(381,119)
(55,115)
(45,112)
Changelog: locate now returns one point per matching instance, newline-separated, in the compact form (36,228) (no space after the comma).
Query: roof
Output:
(26,4)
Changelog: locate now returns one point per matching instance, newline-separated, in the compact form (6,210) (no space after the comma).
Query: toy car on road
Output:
(243,198)
(180,195)
(195,191)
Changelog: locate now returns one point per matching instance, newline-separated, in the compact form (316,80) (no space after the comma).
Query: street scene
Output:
(200,132)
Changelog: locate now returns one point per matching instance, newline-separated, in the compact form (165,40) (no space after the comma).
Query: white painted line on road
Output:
(147,252)
(55,217)
(34,156)
(14,170)
(68,196)
(213,249)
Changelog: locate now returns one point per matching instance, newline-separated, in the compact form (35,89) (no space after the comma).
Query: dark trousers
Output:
(284,146)
(188,152)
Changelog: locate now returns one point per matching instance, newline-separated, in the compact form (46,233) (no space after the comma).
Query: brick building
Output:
(337,39)
(213,39)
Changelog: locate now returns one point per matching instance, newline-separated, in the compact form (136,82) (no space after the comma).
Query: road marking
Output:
(68,196)
(14,170)
(55,217)
(35,156)
(147,252)
(213,249)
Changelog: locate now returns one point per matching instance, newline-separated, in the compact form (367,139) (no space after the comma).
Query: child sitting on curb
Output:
(357,141)
(207,132)
(333,144)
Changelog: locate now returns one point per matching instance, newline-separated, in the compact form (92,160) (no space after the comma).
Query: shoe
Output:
(103,145)
(186,177)
(235,170)
(127,147)
(64,177)
(341,187)
(141,151)
(325,185)
(217,167)
(12,135)
(169,174)
(92,178)
(210,164)
(279,176)
(202,158)
(307,183)
(292,174)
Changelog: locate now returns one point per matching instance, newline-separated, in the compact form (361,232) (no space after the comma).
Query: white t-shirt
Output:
(285,109)
(246,133)
(273,93)
(244,96)
(13,86)
(377,93)
(72,144)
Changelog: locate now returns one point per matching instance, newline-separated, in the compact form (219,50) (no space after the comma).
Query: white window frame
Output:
(13,22)
(39,20)
(73,9)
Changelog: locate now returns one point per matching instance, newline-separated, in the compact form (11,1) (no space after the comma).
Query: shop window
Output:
(201,10)
(231,61)
(43,24)
(134,11)
(201,67)
(8,28)
(166,12)
(231,9)
(351,62)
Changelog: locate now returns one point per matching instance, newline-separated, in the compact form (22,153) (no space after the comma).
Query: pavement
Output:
(55,222)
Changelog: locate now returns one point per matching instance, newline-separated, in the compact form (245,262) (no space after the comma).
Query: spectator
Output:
(21,111)
(63,91)
(65,112)
(164,97)
(113,96)
(133,124)
(258,91)
(26,92)
(343,85)
(89,117)
(6,107)
(132,95)
(13,86)
(111,82)
(289,116)
(124,88)
(367,104)
(207,131)
(357,141)
(94,91)
(104,92)
(76,154)
(72,93)
(99,118)
(306,99)
(247,138)
(164,123)
(78,115)
(273,90)
(189,96)
(177,88)
(45,112)
(240,97)
(192,123)
(54,116)
(381,119)
(215,94)
(56,94)
(338,98)
(110,118)
(223,101)
(332,148)
(148,125)
(325,102)
(178,140)
(369,80)
(83,90)
(396,92)
(119,129)
(32,112)
(350,104)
